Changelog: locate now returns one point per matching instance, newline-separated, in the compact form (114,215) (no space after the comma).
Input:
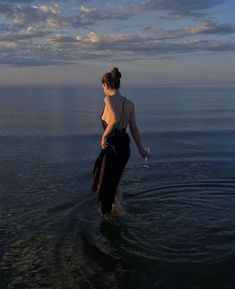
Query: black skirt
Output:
(109,167)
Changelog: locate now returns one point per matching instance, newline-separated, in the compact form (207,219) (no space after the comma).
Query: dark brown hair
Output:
(112,78)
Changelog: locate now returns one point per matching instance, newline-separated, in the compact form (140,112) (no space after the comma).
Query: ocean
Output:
(180,229)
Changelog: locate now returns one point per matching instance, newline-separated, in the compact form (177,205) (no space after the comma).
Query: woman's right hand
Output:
(104,143)
(144,153)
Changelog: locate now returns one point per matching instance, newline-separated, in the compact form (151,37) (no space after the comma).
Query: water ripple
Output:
(69,245)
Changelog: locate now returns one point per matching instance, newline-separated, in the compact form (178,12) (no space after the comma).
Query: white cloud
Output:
(87,10)
(8,44)
(53,9)
(29,33)
(94,38)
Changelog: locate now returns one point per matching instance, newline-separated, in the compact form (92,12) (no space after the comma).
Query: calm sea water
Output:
(181,229)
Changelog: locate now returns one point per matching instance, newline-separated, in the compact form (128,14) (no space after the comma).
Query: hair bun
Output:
(116,73)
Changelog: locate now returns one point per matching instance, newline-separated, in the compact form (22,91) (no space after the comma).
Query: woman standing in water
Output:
(118,113)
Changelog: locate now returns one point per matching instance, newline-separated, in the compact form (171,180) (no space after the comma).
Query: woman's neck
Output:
(114,92)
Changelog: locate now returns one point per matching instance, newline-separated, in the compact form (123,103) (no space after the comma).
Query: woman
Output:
(118,113)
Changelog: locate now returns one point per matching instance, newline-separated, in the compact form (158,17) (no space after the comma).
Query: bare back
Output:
(116,102)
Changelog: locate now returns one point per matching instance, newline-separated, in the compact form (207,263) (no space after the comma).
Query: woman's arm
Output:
(112,117)
(136,135)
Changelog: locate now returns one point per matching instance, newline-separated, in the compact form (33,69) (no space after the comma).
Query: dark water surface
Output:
(181,229)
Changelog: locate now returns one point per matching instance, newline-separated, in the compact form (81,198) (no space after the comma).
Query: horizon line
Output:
(122,85)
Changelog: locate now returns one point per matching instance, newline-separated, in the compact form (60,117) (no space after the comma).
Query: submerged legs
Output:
(119,193)
(117,204)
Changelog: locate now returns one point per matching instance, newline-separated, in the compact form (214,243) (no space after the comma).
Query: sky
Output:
(68,42)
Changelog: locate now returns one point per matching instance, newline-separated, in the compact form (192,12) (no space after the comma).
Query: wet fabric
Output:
(109,166)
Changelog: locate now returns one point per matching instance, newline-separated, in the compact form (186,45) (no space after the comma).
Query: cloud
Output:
(22,53)
(49,9)
(185,7)
(87,10)
(66,49)
(57,23)
(87,16)
(29,33)
(47,15)
(26,12)
(177,8)
(210,27)
(35,34)
(204,28)
(51,14)
(139,45)
(7,44)
(33,14)
(93,41)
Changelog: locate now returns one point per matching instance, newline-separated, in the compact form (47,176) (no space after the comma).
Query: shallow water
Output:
(180,228)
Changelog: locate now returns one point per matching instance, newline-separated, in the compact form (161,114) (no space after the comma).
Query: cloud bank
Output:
(53,32)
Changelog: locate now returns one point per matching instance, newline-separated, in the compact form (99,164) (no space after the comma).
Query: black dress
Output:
(110,164)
